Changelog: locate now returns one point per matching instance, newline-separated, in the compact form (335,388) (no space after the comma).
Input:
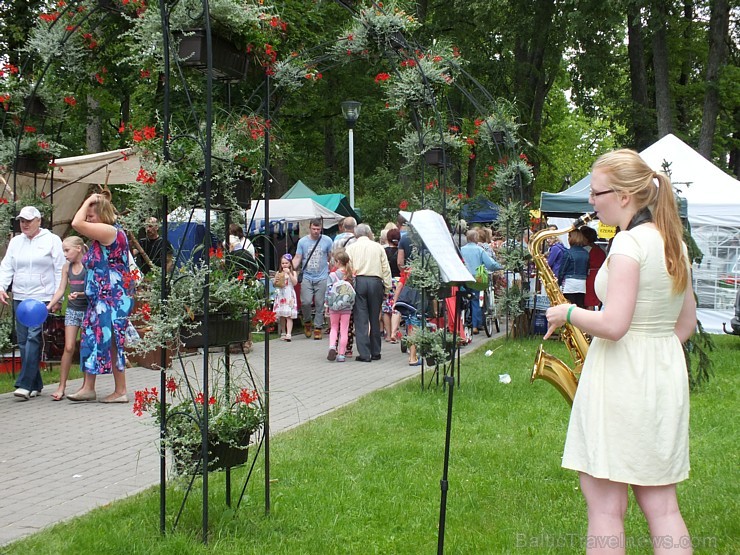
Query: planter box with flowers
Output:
(236,414)
(31,154)
(228,62)
(233,296)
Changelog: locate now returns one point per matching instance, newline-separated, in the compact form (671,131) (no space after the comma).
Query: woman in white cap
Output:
(33,263)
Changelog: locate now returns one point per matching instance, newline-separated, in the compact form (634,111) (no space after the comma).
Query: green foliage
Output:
(429,345)
(697,351)
(379,195)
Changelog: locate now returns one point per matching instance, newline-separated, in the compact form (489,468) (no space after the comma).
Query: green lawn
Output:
(366,478)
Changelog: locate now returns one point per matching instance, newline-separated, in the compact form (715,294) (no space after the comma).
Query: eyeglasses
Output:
(592,194)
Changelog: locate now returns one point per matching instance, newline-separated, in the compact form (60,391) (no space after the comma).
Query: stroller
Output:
(409,306)
(735,322)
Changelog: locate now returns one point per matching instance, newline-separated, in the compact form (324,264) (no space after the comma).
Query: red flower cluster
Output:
(143,399)
(408,63)
(382,77)
(145,177)
(70,100)
(146,312)
(264,317)
(91,42)
(404,204)
(171,385)
(10,68)
(276,22)
(255,126)
(271,53)
(247,396)
(200,399)
(144,134)
(49,17)
(217,252)
(130,279)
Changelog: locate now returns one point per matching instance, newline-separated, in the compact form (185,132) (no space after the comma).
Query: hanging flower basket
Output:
(228,62)
(221,455)
(223,330)
(35,106)
(240,191)
(31,164)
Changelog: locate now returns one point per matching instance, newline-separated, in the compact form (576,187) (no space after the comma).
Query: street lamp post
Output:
(351,112)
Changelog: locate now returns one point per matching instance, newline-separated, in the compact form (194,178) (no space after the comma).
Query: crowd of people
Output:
(576,266)
(376,272)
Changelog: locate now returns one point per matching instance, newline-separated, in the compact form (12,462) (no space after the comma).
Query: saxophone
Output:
(546,366)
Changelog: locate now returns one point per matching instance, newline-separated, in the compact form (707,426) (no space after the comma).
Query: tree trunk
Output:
(533,69)
(660,67)
(718,37)
(94,130)
(682,104)
(641,128)
(735,151)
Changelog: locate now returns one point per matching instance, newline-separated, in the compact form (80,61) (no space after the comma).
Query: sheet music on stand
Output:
(432,229)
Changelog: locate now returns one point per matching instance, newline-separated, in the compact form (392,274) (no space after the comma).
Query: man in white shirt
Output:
(372,281)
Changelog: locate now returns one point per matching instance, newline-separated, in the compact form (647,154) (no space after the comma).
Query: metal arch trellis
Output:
(401,47)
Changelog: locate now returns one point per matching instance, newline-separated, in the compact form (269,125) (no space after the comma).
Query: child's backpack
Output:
(341,296)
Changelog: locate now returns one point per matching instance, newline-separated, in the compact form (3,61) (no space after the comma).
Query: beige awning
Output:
(68,182)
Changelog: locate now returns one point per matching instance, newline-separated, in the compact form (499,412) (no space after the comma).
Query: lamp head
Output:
(351,112)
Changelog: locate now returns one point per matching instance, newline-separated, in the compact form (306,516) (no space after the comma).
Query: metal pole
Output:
(351,168)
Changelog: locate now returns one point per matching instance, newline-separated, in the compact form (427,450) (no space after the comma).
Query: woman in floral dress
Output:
(109,289)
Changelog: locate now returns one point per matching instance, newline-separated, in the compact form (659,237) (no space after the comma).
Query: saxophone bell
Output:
(546,366)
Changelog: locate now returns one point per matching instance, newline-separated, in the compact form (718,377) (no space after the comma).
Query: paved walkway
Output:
(62,459)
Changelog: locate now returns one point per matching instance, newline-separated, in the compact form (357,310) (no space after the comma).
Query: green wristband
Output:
(567,316)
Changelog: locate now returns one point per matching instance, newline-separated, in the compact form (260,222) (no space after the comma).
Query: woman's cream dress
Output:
(630,418)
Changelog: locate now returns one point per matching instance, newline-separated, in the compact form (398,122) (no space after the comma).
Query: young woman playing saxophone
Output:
(630,418)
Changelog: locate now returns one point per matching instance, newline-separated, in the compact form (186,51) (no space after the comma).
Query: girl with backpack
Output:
(340,298)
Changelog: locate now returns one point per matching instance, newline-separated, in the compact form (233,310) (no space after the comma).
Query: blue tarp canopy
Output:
(186,240)
(479,210)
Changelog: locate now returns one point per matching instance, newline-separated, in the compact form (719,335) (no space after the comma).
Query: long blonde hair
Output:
(76,241)
(341,257)
(631,175)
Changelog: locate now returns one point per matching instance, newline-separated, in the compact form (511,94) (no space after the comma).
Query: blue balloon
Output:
(31,313)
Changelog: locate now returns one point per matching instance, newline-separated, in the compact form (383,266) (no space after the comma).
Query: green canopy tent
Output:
(336,202)
(299,190)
